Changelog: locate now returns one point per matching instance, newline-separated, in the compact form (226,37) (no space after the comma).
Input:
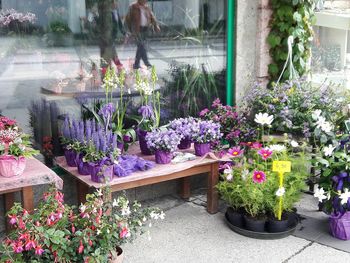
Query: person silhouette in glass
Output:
(138,20)
(117,30)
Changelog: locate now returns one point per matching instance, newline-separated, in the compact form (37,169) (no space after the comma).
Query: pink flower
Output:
(17,247)
(216,103)
(203,112)
(265,153)
(30,244)
(81,247)
(124,233)
(39,251)
(13,219)
(235,152)
(256,145)
(259,177)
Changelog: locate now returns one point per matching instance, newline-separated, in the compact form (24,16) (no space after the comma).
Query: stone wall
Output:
(252,58)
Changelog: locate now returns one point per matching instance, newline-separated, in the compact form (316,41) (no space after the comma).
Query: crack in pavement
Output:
(299,251)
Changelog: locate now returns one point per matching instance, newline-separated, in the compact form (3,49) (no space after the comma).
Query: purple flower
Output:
(184,126)
(146,112)
(107,110)
(203,112)
(165,140)
(206,131)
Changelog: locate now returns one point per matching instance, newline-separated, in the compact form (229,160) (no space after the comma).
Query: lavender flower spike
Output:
(147,112)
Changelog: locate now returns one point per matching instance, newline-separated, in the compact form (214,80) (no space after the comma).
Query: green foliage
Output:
(59,27)
(291,17)
(190,89)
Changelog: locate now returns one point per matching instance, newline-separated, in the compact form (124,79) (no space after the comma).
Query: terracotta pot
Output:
(201,149)
(12,166)
(163,157)
(184,144)
(142,141)
(120,256)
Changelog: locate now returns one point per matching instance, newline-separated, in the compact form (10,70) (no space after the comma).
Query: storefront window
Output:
(53,54)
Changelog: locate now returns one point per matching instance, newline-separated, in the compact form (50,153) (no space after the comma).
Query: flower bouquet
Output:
(57,232)
(203,134)
(253,189)
(14,148)
(164,143)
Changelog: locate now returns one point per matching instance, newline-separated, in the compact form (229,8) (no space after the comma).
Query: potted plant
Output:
(14,148)
(250,184)
(57,232)
(150,107)
(163,143)
(183,127)
(204,133)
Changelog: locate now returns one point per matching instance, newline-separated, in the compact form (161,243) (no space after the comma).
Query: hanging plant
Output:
(291,18)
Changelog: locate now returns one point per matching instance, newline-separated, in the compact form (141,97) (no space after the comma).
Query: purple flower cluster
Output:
(184,126)
(147,112)
(89,132)
(107,111)
(206,131)
(7,16)
(164,140)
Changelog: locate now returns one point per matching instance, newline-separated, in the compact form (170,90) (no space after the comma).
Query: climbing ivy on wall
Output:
(291,17)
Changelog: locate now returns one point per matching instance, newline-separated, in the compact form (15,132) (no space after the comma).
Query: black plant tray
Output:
(265,235)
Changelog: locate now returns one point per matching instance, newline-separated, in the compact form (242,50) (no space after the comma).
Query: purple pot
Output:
(339,225)
(101,173)
(143,144)
(83,167)
(163,157)
(185,143)
(201,149)
(70,156)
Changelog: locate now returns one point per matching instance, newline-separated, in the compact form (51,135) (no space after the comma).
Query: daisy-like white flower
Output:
(99,192)
(320,194)
(280,192)
(294,143)
(327,127)
(277,148)
(328,150)
(263,119)
(228,174)
(115,203)
(345,196)
(317,113)
(245,174)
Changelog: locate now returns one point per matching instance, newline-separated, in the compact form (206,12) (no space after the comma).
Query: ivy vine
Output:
(291,17)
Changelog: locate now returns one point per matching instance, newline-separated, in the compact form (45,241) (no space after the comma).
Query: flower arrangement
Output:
(163,140)
(164,143)
(15,146)
(251,187)
(292,103)
(184,127)
(57,232)
(206,132)
(233,123)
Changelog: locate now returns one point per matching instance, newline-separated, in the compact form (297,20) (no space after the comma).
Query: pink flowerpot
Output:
(12,166)
(201,149)
(163,157)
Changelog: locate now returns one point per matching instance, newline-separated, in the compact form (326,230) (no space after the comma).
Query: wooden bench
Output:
(160,173)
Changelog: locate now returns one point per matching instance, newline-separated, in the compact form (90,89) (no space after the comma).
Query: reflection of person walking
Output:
(138,20)
(118,29)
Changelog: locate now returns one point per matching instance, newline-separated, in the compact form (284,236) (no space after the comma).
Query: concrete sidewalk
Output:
(190,235)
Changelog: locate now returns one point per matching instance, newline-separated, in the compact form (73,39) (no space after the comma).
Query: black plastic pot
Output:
(235,217)
(277,226)
(254,224)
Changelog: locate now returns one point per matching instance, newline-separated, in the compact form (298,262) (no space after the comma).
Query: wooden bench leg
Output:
(9,200)
(212,195)
(185,187)
(82,191)
(27,198)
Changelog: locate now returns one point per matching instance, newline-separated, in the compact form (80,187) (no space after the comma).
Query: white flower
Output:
(320,121)
(82,208)
(280,192)
(157,216)
(328,150)
(115,203)
(317,113)
(327,127)
(345,196)
(294,143)
(228,174)
(99,192)
(126,211)
(98,232)
(277,148)
(245,174)
(263,119)
(320,194)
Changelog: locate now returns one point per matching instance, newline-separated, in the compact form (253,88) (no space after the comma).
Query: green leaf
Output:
(273,69)
(297,17)
(273,40)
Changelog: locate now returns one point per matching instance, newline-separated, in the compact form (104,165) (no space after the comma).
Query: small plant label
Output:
(281,166)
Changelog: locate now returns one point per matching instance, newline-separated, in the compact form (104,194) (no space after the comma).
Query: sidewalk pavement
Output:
(190,235)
